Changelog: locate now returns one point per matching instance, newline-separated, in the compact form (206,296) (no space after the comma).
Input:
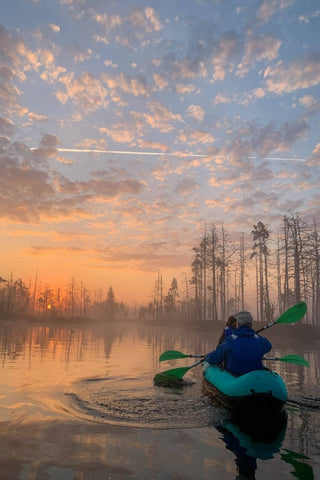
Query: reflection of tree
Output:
(24,340)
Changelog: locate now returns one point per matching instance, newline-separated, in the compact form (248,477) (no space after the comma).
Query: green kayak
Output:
(259,391)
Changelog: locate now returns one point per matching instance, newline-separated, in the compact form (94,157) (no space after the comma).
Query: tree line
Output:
(263,271)
(18,299)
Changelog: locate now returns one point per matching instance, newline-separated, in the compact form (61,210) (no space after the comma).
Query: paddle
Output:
(174,354)
(292,315)
(174,375)
(291,358)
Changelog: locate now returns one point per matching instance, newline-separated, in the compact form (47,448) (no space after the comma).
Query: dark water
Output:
(80,403)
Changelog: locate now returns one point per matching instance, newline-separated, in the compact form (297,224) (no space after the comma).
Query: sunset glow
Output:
(125,128)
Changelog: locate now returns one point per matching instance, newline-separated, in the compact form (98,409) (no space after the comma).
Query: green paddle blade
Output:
(171,376)
(292,358)
(294,314)
(171,355)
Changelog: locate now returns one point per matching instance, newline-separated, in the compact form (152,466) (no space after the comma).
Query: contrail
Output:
(169,154)
(172,154)
(124,152)
(293,159)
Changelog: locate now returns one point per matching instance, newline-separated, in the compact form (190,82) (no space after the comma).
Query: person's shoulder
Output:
(263,339)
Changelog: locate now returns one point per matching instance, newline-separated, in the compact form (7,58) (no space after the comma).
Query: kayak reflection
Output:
(248,445)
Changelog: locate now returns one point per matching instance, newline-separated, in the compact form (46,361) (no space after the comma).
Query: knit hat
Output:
(243,317)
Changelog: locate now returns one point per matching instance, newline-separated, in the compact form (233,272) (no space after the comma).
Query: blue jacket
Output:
(241,352)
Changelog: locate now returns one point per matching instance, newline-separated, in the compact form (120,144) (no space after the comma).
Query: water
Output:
(79,402)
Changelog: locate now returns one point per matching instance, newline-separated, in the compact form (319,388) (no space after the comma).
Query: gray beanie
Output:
(243,317)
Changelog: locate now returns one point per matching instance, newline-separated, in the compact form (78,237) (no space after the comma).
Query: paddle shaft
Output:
(266,326)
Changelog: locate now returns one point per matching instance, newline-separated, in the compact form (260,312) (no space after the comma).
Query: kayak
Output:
(260,391)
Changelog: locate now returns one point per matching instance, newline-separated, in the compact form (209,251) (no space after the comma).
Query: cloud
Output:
(145,19)
(300,73)
(160,81)
(196,112)
(45,250)
(161,117)
(205,53)
(268,139)
(196,137)
(186,186)
(310,103)
(161,147)
(31,191)
(221,98)
(120,133)
(6,127)
(139,259)
(24,190)
(15,54)
(257,49)
(86,91)
(35,117)
(268,8)
(137,26)
(306,18)
(184,89)
(109,22)
(252,96)
(263,140)
(314,160)
(55,28)
(130,85)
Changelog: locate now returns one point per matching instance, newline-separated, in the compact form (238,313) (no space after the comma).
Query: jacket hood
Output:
(244,331)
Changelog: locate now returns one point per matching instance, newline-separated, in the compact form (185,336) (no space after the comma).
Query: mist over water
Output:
(101,377)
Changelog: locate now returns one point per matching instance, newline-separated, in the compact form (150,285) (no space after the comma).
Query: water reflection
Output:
(105,374)
(248,445)
(301,469)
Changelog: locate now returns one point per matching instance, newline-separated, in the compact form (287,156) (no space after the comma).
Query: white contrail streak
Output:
(124,152)
(293,159)
(169,154)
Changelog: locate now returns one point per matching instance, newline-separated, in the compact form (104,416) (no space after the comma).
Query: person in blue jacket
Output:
(243,350)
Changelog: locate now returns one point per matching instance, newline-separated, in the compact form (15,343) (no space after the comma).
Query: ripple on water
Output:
(126,402)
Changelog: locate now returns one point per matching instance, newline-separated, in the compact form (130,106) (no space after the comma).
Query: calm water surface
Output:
(79,402)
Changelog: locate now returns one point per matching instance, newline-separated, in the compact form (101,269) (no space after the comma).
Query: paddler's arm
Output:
(217,355)
(266,344)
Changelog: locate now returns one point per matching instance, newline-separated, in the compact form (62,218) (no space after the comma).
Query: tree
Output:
(213,247)
(171,300)
(260,249)
(297,236)
(110,305)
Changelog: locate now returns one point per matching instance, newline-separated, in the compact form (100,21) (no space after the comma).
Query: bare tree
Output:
(260,249)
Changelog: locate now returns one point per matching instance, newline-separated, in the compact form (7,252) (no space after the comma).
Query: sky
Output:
(127,126)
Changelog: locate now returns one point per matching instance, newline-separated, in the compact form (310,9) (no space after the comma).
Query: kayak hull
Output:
(258,392)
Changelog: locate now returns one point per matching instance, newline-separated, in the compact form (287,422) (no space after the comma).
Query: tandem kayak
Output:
(260,391)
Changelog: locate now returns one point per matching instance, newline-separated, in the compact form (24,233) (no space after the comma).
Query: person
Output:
(243,350)
(230,327)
